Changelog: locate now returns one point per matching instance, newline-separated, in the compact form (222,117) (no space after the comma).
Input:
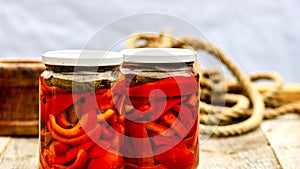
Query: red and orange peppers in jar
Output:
(93,117)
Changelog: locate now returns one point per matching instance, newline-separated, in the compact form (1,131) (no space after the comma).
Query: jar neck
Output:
(158,66)
(60,69)
(145,72)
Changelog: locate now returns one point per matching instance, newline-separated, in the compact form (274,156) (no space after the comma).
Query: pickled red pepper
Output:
(172,131)
(72,126)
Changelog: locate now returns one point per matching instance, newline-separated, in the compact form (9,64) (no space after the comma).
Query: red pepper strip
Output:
(108,161)
(96,151)
(119,87)
(104,102)
(128,149)
(193,105)
(106,134)
(117,139)
(136,130)
(101,91)
(96,132)
(185,115)
(73,132)
(122,118)
(159,105)
(177,158)
(171,103)
(120,105)
(43,160)
(170,119)
(48,124)
(153,112)
(78,163)
(59,148)
(108,94)
(142,113)
(69,155)
(132,166)
(142,147)
(194,128)
(137,101)
(116,142)
(161,140)
(116,125)
(63,121)
(61,102)
(175,86)
(108,114)
(160,129)
(88,102)
(191,141)
(122,129)
(56,104)
(195,111)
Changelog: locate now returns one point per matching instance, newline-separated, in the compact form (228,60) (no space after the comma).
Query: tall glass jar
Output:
(160,106)
(77,111)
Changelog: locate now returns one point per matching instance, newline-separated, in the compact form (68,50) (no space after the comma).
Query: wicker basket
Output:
(19,89)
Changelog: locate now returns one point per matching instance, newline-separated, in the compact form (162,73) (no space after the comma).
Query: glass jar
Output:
(160,104)
(77,111)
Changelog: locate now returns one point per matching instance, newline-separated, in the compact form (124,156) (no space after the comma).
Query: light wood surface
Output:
(283,134)
(246,151)
(19,153)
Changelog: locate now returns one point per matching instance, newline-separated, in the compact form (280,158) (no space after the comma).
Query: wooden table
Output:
(276,144)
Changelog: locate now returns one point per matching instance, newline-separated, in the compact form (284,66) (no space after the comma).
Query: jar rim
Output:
(82,58)
(159,55)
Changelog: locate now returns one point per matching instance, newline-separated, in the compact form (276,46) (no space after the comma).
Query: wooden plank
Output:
(3,143)
(246,151)
(284,137)
(19,128)
(21,153)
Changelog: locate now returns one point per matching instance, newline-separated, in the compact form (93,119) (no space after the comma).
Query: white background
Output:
(258,34)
